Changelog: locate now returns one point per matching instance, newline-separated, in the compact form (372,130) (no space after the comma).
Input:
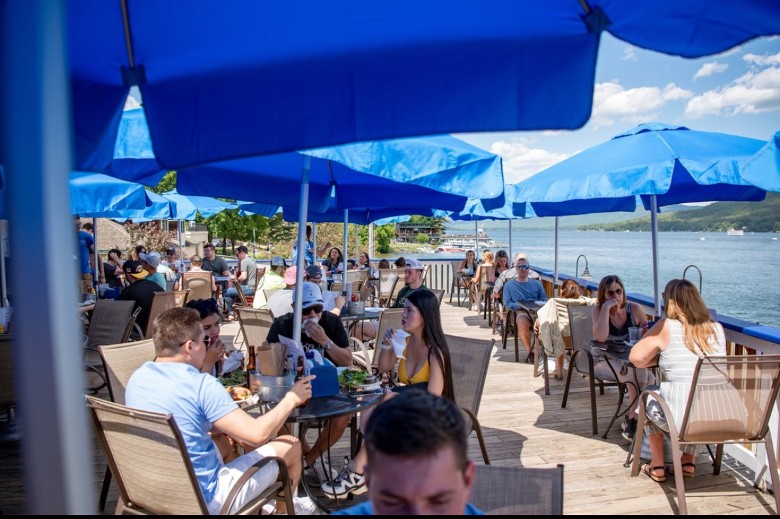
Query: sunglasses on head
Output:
(317,309)
(522,267)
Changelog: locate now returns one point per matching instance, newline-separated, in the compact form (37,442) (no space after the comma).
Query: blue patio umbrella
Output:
(96,195)
(661,164)
(361,71)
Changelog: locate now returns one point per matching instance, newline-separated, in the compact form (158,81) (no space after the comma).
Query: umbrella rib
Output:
(128,34)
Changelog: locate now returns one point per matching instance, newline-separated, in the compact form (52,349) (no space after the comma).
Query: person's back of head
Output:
(196,261)
(173,328)
(384,264)
(684,303)
(88,227)
(408,439)
(400,262)
(570,289)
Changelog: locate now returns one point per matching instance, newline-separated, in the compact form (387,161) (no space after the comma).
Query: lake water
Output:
(740,274)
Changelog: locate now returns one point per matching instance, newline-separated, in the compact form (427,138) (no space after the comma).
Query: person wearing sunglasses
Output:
(320,330)
(612,317)
(523,288)
(173,383)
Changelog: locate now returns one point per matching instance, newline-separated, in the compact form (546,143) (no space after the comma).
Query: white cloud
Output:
(753,93)
(521,161)
(613,102)
(131,103)
(709,69)
(765,60)
(628,54)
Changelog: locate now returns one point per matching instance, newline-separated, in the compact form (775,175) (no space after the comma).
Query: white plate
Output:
(367,387)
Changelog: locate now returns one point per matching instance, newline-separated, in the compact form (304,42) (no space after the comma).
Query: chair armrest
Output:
(362,360)
(283,475)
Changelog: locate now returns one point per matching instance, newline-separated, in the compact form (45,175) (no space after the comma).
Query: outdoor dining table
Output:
(315,413)
(350,320)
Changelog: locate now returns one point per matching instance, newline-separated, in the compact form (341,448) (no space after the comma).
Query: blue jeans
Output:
(232,293)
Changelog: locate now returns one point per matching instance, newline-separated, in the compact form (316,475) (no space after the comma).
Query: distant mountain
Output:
(566,222)
(761,216)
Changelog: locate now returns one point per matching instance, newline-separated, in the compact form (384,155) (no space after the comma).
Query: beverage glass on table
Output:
(634,334)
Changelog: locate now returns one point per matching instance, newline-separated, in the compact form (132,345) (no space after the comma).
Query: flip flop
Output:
(650,471)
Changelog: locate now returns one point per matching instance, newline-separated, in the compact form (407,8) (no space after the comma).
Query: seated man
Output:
(174,384)
(522,288)
(417,459)
(320,330)
(280,303)
(272,280)
(140,290)
(247,274)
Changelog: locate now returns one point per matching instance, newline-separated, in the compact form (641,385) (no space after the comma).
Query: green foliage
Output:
(421,238)
(167,183)
(438,223)
(383,235)
(150,235)
(228,225)
(719,217)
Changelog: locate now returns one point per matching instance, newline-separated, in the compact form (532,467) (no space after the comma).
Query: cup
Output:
(633,334)
(399,343)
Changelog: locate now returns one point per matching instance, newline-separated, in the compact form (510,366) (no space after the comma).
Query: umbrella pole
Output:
(179,227)
(345,254)
(3,285)
(476,241)
(555,276)
(511,258)
(303,215)
(654,232)
(96,280)
(314,241)
(371,240)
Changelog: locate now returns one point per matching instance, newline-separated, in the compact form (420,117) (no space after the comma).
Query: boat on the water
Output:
(735,232)
(464,242)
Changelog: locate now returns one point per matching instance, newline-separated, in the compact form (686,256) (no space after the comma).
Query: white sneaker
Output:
(315,474)
(348,482)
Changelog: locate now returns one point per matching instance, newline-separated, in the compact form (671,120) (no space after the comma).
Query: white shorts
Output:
(231,472)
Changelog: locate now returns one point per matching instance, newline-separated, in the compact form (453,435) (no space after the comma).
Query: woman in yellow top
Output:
(425,365)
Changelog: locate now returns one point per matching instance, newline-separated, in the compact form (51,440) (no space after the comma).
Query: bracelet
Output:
(386,347)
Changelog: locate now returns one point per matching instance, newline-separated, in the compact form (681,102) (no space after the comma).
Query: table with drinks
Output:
(619,352)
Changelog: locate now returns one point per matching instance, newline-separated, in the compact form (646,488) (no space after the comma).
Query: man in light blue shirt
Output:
(417,462)
(199,403)
(522,288)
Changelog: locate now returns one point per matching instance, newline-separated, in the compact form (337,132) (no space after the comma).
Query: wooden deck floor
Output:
(523,427)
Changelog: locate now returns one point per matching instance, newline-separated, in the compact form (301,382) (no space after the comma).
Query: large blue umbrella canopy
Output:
(159,208)
(662,164)
(268,77)
(672,163)
(186,207)
(441,170)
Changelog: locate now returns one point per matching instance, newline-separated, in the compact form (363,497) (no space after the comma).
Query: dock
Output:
(525,427)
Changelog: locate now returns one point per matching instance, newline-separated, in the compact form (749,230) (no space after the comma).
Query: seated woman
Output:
(334,263)
(676,341)
(196,262)
(552,322)
(476,294)
(425,365)
(612,317)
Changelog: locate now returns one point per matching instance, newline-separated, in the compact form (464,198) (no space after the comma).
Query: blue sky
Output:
(735,92)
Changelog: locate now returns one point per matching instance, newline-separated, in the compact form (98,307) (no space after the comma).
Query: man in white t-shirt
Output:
(199,403)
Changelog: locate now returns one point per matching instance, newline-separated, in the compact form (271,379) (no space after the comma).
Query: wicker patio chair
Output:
(518,490)
(201,284)
(161,302)
(439,293)
(254,323)
(470,359)
(181,297)
(388,279)
(151,466)
(456,283)
(731,400)
(561,309)
(110,323)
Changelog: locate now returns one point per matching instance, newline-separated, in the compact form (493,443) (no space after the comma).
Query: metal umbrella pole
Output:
(476,241)
(555,268)
(302,217)
(181,247)
(96,280)
(511,258)
(654,234)
(3,285)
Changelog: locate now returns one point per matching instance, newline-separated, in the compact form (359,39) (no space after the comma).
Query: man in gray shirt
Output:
(247,274)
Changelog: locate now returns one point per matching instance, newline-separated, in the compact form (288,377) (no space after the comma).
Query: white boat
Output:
(735,232)
(464,242)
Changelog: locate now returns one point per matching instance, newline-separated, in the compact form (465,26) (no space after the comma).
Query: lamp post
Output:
(585,273)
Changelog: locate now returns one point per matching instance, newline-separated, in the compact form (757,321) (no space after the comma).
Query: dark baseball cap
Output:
(134,268)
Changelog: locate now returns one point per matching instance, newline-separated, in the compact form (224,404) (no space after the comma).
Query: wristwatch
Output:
(328,345)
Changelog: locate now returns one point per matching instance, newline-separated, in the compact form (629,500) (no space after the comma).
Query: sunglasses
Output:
(615,292)
(317,309)
(522,267)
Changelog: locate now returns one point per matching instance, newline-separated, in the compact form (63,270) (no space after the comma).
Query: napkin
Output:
(232,362)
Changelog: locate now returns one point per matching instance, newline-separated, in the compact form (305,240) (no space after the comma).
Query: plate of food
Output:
(240,394)
(359,380)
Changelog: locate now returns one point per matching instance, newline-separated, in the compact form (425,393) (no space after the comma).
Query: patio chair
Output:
(153,470)
(254,323)
(200,284)
(561,309)
(439,293)
(456,283)
(390,318)
(181,297)
(581,327)
(388,278)
(161,302)
(479,290)
(742,390)
(111,323)
(119,363)
(470,359)
(518,490)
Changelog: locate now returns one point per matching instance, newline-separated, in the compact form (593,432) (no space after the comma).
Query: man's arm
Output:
(510,300)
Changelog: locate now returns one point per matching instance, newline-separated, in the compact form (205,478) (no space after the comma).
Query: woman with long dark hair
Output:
(334,262)
(424,366)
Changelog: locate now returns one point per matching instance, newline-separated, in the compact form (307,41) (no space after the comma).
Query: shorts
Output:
(230,473)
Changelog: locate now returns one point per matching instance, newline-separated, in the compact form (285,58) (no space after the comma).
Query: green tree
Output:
(167,183)
(383,235)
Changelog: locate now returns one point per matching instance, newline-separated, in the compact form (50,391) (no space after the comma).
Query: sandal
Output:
(650,471)
(687,474)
